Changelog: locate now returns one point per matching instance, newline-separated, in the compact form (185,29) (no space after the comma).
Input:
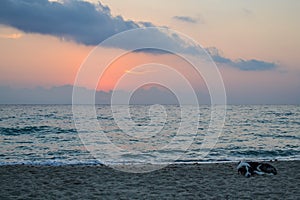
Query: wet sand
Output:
(182,181)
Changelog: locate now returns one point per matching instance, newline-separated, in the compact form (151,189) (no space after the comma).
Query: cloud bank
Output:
(63,95)
(153,95)
(244,65)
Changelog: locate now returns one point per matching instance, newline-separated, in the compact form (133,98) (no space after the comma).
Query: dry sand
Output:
(193,181)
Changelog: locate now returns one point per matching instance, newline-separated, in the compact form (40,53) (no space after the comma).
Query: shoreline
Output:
(176,181)
(59,163)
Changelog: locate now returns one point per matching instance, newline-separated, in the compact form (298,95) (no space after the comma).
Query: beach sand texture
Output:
(182,181)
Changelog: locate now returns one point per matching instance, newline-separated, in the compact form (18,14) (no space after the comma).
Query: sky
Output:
(255,45)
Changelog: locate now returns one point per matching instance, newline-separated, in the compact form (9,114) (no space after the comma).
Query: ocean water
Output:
(46,135)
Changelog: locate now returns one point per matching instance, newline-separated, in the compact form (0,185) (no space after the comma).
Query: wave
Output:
(33,129)
(267,153)
(58,163)
(52,163)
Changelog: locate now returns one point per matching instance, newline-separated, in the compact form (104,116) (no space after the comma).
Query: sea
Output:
(48,135)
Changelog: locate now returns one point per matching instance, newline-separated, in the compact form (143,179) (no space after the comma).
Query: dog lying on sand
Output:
(248,169)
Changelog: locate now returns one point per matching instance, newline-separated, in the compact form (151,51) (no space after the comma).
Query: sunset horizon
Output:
(46,53)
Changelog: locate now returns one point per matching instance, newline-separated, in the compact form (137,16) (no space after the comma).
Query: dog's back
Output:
(248,169)
(267,168)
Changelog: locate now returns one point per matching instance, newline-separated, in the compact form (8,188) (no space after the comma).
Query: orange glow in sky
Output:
(126,64)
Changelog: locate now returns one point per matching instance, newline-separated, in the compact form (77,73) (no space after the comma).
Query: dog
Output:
(248,169)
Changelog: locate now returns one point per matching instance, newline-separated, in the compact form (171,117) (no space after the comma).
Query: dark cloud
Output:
(154,40)
(63,95)
(152,51)
(75,20)
(185,19)
(253,65)
(245,65)
(86,23)
(40,95)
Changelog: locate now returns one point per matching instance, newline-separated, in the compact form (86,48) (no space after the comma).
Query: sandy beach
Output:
(182,181)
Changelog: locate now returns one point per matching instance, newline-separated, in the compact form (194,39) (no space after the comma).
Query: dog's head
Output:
(244,170)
